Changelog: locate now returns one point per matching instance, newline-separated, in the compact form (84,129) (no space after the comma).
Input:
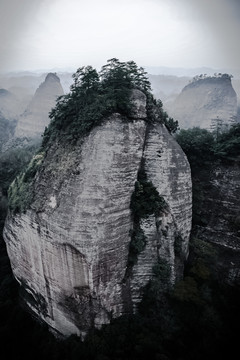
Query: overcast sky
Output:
(45,34)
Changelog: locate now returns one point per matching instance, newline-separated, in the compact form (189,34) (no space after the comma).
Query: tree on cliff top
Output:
(94,96)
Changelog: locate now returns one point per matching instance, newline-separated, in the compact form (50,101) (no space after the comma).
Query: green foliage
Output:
(146,200)
(20,192)
(12,162)
(171,124)
(137,244)
(203,148)
(156,114)
(228,143)
(94,96)
(161,270)
(198,145)
(19,195)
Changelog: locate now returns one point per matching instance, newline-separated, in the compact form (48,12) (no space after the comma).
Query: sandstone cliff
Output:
(203,101)
(217,215)
(70,250)
(35,118)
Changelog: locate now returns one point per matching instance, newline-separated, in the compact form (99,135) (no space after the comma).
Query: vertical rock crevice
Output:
(161,236)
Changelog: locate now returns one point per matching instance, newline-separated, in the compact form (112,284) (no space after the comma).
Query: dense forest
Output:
(199,317)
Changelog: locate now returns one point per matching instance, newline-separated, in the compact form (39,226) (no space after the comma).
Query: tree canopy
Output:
(203,147)
(95,95)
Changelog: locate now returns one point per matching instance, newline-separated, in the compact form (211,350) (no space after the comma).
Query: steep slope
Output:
(33,121)
(217,215)
(204,100)
(70,250)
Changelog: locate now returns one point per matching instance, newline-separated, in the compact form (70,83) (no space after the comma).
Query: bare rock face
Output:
(217,216)
(70,250)
(168,234)
(205,101)
(35,118)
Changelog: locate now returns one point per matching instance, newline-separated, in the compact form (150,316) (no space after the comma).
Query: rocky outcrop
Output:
(35,118)
(70,250)
(204,102)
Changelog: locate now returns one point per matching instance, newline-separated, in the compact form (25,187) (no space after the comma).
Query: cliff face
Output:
(35,118)
(204,100)
(70,250)
(217,216)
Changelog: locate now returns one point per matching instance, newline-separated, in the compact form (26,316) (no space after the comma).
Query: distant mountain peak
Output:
(52,77)
(204,99)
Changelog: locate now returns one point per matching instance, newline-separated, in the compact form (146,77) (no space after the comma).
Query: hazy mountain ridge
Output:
(167,83)
(204,100)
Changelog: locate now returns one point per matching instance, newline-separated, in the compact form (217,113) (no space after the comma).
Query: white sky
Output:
(45,34)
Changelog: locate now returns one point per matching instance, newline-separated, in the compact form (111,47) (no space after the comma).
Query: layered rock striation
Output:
(217,217)
(205,102)
(70,250)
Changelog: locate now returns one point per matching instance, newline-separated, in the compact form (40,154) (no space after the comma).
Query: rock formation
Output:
(35,118)
(204,102)
(217,215)
(70,250)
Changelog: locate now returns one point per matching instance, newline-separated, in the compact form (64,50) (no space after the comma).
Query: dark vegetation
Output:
(215,77)
(145,201)
(20,193)
(204,148)
(205,151)
(12,163)
(197,319)
(96,95)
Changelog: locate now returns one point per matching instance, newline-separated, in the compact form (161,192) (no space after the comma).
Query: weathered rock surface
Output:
(204,100)
(35,118)
(70,250)
(170,174)
(217,216)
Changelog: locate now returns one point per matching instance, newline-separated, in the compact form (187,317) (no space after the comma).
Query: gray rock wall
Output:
(70,251)
(217,216)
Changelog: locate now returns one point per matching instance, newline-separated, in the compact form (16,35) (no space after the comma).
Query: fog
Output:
(45,34)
